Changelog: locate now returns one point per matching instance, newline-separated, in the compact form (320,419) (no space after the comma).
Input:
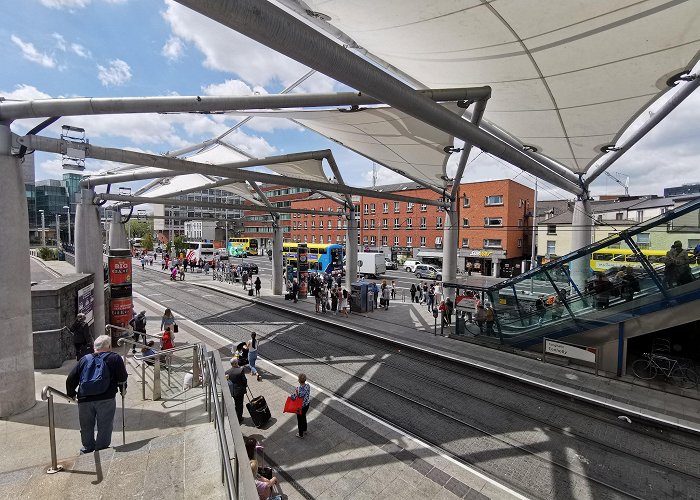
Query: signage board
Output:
(587,354)
(119,270)
(120,311)
(467,303)
(303,267)
(86,300)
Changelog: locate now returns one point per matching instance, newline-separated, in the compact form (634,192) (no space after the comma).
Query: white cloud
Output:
(65,4)
(30,53)
(24,92)
(63,45)
(118,73)
(80,50)
(230,88)
(173,48)
(229,51)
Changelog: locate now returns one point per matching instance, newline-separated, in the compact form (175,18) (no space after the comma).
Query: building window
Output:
(371,224)
(366,209)
(465,242)
(373,208)
(644,240)
(521,203)
(313,224)
(520,243)
(365,240)
(340,224)
(397,224)
(422,241)
(306,225)
(438,242)
(423,207)
(337,239)
(385,223)
(465,201)
(494,200)
(397,207)
(551,247)
(313,239)
(438,223)
(640,215)
(551,229)
(313,214)
(372,240)
(385,208)
(422,223)
(329,239)
(493,221)
(619,216)
(365,224)
(465,222)
(409,223)
(384,241)
(306,239)
(409,207)
(409,241)
(492,243)
(396,241)
(329,225)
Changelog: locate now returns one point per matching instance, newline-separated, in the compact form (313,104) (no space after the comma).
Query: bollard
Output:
(52,438)
(435,315)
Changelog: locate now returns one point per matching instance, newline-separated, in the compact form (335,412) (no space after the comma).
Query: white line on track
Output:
(293,380)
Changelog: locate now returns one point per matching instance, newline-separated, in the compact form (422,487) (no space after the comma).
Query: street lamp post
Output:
(58,231)
(70,240)
(43,229)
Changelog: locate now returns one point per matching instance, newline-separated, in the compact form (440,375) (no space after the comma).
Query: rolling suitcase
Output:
(250,292)
(258,409)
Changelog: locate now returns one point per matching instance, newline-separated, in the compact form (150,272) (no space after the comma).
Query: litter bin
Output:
(359,292)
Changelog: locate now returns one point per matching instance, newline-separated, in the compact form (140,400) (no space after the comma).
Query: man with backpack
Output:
(138,323)
(95,380)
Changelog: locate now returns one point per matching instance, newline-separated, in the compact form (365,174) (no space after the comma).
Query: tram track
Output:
(310,352)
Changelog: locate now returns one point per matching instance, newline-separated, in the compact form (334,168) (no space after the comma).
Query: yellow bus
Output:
(323,257)
(602,260)
(250,245)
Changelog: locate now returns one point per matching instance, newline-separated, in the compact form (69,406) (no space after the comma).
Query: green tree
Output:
(180,245)
(139,228)
(147,241)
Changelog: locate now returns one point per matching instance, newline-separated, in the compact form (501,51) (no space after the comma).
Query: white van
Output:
(410,265)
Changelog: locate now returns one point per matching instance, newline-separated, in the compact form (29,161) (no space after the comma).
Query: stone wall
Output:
(55,305)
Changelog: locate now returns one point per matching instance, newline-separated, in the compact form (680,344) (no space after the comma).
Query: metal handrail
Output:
(131,332)
(237,486)
(47,393)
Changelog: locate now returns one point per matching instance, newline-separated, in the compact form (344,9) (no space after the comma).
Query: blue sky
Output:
(111,48)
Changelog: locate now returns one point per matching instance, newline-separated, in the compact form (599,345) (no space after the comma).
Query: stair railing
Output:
(47,394)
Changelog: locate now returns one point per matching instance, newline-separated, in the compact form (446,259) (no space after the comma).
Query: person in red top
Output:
(166,341)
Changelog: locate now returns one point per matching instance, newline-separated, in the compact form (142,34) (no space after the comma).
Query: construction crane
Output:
(625,184)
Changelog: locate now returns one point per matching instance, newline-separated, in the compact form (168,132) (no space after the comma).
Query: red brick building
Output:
(494,224)
(259,224)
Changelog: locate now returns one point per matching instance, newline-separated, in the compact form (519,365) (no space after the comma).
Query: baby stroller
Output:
(241,353)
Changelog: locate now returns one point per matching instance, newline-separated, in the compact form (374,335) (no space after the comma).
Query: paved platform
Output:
(348,454)
(413,325)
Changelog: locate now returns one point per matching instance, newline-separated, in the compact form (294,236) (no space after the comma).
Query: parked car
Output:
(410,265)
(249,267)
(428,271)
(390,264)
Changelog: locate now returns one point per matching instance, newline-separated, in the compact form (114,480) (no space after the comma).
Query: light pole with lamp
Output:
(43,229)
(70,242)
(58,231)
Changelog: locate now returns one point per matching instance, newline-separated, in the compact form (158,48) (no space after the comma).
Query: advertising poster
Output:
(86,299)
(303,267)
(119,270)
(120,311)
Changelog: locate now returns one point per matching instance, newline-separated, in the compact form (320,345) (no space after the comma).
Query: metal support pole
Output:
(52,438)
(143,380)
(195,366)
(58,231)
(583,229)
(156,379)
(43,229)
(351,248)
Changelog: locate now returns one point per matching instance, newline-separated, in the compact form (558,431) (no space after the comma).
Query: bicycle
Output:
(680,375)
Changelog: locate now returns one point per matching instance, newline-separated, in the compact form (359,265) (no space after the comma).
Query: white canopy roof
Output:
(384,135)
(567,77)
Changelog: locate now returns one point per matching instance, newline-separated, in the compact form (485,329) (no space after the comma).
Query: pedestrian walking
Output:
(480,317)
(143,262)
(413,292)
(344,302)
(450,309)
(303,390)
(295,290)
(252,353)
(393,290)
(540,310)
(138,325)
(431,297)
(237,385)
(443,313)
(334,299)
(490,319)
(95,379)
(168,319)
(82,340)
(386,294)
(258,285)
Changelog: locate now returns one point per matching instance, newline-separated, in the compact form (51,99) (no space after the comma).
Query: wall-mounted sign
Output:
(86,299)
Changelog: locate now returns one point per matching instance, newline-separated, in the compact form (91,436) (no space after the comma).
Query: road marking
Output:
(292,379)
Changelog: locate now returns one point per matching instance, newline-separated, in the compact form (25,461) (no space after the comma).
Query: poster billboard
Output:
(120,311)
(119,270)
(86,300)
(303,266)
